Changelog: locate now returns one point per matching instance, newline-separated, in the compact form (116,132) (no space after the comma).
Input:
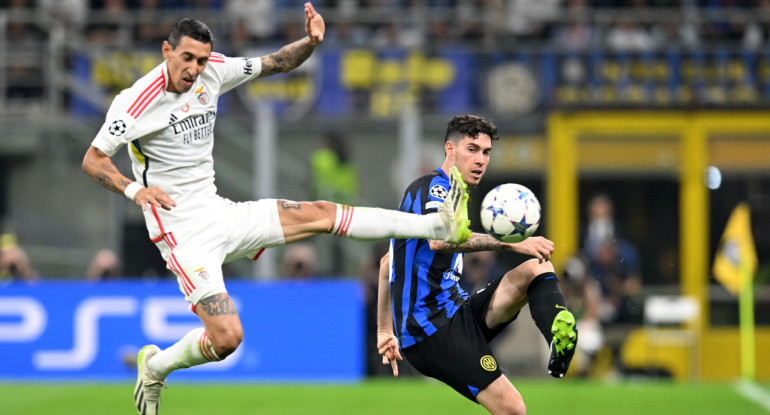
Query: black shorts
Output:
(458,354)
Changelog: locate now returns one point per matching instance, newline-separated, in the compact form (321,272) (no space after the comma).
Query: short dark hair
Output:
(192,28)
(460,126)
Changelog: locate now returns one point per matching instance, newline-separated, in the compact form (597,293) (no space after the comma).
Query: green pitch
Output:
(387,397)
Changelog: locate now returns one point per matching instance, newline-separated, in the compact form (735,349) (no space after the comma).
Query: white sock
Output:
(194,349)
(376,224)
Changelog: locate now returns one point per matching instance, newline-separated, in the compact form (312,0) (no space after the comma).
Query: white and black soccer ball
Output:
(510,212)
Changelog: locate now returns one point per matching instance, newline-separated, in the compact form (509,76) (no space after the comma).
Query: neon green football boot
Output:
(563,344)
(454,211)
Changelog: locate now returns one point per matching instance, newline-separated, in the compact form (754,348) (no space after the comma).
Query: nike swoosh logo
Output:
(558,306)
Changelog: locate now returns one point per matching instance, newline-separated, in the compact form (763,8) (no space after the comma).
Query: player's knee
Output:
(227,342)
(326,212)
(514,407)
(534,268)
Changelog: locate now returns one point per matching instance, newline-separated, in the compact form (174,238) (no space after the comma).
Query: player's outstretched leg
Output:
(563,343)
(147,390)
(454,211)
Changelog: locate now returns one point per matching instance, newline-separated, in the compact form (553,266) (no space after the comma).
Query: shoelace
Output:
(152,389)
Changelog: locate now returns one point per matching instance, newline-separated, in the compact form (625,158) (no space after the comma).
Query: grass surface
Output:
(386,396)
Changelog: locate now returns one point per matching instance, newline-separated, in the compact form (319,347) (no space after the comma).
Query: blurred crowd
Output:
(618,24)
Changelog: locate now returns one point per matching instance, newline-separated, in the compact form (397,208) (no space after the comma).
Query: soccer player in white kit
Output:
(167,121)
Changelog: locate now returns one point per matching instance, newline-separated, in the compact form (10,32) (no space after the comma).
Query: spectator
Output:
(300,261)
(106,29)
(479,269)
(584,297)
(601,223)
(105,265)
(252,20)
(627,35)
(616,267)
(614,263)
(334,178)
(14,262)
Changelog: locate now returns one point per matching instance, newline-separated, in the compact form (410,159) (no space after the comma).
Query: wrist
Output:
(132,189)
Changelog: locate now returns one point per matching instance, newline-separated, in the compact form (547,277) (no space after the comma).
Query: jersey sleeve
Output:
(116,130)
(437,192)
(232,72)
(127,117)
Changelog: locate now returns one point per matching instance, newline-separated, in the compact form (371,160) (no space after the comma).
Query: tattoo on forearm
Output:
(105,178)
(106,181)
(287,204)
(218,305)
(288,58)
(477,242)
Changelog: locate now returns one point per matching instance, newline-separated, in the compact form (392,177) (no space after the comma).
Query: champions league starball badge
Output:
(117,128)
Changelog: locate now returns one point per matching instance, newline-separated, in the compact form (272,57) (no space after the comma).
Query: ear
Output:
(449,146)
(166,49)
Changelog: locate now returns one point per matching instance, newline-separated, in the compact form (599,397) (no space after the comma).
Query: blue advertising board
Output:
(379,83)
(294,330)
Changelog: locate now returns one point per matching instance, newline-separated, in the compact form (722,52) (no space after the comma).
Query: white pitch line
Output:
(754,393)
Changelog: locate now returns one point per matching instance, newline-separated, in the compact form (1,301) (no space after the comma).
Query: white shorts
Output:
(224,231)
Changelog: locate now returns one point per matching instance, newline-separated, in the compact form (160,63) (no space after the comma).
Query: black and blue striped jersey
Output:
(424,286)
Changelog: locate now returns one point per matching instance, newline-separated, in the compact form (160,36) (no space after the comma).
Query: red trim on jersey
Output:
(217,57)
(147,96)
(160,225)
(347,217)
(256,256)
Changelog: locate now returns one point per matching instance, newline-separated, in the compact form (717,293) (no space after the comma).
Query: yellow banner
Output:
(736,250)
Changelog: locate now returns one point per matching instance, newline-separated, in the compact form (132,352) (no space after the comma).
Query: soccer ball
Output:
(510,212)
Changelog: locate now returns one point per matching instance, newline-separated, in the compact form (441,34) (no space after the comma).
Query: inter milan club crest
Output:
(117,128)
(438,191)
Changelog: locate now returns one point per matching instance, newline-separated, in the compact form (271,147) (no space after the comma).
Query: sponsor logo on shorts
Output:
(488,363)
(203,274)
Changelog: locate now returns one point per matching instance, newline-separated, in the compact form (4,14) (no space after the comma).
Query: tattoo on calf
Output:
(218,305)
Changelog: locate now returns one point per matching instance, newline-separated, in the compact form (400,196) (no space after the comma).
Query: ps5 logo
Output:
(24,319)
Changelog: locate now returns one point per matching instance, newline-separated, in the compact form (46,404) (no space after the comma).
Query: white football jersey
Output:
(171,135)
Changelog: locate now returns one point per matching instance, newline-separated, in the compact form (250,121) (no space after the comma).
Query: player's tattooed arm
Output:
(217,305)
(99,166)
(293,54)
(477,242)
(288,58)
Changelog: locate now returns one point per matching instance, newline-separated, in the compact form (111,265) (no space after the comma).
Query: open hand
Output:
(314,24)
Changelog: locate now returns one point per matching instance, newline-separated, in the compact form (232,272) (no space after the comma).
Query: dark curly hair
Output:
(469,125)
(194,29)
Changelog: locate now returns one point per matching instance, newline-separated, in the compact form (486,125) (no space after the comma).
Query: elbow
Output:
(86,165)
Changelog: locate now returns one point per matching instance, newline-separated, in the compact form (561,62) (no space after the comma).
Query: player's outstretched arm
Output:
(293,54)
(536,246)
(387,344)
(101,168)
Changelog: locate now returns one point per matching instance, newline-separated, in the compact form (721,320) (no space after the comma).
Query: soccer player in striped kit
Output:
(167,121)
(442,330)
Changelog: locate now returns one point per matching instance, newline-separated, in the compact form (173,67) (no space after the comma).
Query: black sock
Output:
(545,301)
